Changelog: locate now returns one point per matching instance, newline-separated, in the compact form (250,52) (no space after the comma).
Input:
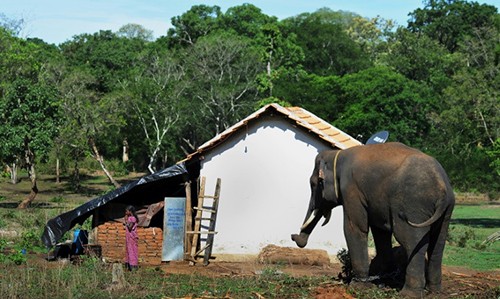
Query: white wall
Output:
(265,189)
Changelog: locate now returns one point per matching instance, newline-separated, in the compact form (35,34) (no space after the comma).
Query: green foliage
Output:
(450,21)
(434,85)
(494,154)
(57,199)
(460,236)
(30,239)
(345,259)
(380,99)
(198,21)
(271,100)
(327,47)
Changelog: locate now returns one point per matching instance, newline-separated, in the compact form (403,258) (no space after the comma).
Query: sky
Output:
(56,21)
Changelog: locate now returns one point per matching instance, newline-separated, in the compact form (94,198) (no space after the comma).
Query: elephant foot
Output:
(434,288)
(300,240)
(361,284)
(412,293)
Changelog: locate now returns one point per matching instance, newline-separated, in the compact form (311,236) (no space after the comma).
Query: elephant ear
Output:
(321,173)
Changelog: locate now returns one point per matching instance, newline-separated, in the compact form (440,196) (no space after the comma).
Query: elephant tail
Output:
(441,209)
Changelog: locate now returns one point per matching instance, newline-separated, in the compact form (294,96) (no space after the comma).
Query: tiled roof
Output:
(299,116)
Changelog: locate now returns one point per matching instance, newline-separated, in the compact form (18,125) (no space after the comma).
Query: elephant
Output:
(392,190)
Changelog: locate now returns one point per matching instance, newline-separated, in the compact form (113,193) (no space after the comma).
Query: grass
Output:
(92,279)
(470,226)
(28,276)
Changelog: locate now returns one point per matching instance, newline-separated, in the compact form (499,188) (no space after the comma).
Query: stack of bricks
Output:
(111,237)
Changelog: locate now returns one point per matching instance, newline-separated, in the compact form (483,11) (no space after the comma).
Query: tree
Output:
(88,116)
(28,106)
(380,99)
(371,35)
(467,125)
(420,58)
(318,94)
(246,20)
(155,96)
(105,55)
(224,67)
(327,47)
(13,26)
(280,54)
(450,21)
(132,31)
(28,125)
(197,22)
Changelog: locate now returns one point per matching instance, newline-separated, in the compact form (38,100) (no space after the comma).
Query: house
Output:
(146,194)
(264,163)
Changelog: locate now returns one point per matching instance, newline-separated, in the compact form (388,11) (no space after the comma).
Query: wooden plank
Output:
(210,238)
(197,223)
(205,210)
(209,196)
(189,218)
(201,250)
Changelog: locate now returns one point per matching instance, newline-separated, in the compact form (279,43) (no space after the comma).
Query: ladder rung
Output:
(203,218)
(208,196)
(204,247)
(203,209)
(203,232)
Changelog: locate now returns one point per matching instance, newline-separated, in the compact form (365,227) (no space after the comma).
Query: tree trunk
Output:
(76,176)
(100,159)
(30,164)
(13,173)
(152,159)
(58,173)
(125,150)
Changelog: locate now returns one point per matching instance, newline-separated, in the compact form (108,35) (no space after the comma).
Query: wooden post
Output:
(213,218)
(189,220)
(197,223)
(118,277)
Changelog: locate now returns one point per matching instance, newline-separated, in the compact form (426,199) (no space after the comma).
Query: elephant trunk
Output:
(307,228)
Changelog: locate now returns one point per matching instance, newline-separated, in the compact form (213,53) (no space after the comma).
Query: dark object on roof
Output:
(146,190)
(379,137)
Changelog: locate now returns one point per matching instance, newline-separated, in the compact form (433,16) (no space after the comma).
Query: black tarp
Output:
(146,190)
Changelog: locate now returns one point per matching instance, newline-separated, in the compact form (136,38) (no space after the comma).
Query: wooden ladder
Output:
(204,213)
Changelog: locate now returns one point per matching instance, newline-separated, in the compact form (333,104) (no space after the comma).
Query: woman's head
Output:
(130,211)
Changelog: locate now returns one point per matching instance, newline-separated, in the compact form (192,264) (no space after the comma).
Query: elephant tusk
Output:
(311,218)
(327,218)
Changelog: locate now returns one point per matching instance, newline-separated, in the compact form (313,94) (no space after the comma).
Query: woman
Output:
(131,238)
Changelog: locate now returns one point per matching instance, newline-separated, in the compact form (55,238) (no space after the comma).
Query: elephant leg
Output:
(437,242)
(384,261)
(356,234)
(415,243)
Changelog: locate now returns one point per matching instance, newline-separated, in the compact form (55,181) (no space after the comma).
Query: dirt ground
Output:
(457,282)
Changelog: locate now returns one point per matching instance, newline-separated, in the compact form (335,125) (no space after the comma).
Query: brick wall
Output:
(111,237)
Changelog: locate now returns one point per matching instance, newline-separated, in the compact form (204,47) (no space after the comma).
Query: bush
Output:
(345,260)
(459,236)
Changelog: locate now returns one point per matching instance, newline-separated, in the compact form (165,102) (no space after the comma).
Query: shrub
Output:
(345,260)
(459,236)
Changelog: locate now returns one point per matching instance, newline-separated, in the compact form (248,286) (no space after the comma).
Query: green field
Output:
(471,225)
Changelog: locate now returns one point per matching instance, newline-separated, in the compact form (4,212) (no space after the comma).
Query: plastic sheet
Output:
(167,182)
